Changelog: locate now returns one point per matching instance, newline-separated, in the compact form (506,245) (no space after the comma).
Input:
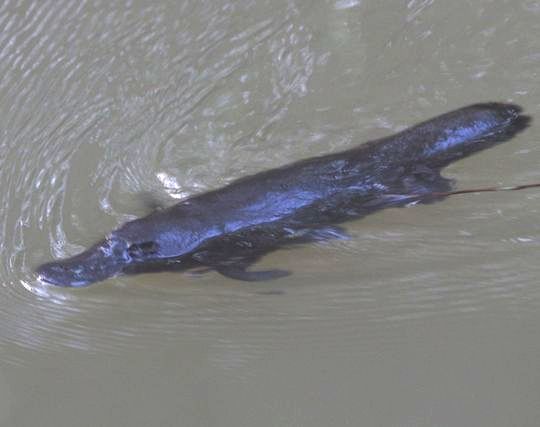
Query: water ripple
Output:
(101,101)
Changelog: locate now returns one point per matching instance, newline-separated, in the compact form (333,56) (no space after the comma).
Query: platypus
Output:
(230,228)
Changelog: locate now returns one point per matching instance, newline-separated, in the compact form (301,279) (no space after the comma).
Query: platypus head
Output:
(103,260)
(148,243)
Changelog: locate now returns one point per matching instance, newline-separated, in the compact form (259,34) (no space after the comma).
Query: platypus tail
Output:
(460,133)
(507,120)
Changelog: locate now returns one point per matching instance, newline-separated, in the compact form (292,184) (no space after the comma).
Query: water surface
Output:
(428,316)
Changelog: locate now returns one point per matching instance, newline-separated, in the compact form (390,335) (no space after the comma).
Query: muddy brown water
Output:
(429,316)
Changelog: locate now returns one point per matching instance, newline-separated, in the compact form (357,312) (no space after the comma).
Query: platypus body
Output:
(228,229)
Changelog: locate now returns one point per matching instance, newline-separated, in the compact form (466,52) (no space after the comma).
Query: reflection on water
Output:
(103,101)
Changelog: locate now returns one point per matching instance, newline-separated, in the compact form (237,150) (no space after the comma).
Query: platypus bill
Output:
(229,229)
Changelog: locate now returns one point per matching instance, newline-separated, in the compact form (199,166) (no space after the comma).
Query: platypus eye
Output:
(140,250)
